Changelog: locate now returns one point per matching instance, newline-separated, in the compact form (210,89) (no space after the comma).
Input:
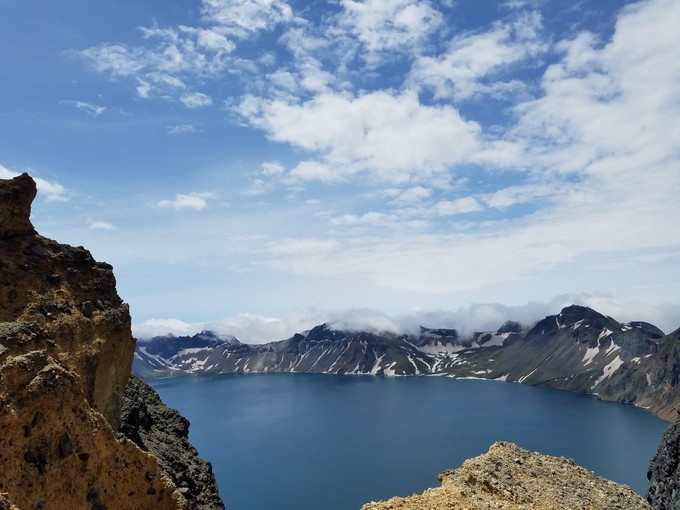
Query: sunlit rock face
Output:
(69,300)
(511,478)
(65,356)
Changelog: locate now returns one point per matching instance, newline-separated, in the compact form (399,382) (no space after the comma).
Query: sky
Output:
(259,166)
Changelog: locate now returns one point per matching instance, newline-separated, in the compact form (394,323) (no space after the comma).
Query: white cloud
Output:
(211,40)
(593,153)
(196,201)
(169,57)
(84,106)
(257,187)
(240,18)
(471,64)
(388,25)
(393,137)
(196,100)
(51,191)
(257,329)
(303,246)
(159,327)
(271,168)
(459,206)
(181,129)
(101,225)
(117,59)
(315,171)
(412,195)
(528,193)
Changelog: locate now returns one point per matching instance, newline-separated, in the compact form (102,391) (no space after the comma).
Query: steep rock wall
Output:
(663,491)
(65,356)
(164,433)
(69,300)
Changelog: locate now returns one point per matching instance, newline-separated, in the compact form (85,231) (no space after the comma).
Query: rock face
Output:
(652,382)
(510,478)
(164,433)
(65,356)
(67,299)
(663,491)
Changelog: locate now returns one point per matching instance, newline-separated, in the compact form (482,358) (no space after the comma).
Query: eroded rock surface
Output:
(510,478)
(60,300)
(162,431)
(663,491)
(65,356)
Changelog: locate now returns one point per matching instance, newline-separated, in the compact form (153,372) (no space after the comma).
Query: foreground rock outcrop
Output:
(164,433)
(510,478)
(65,356)
(663,490)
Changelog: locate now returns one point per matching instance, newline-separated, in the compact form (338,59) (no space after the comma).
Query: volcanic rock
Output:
(65,355)
(508,477)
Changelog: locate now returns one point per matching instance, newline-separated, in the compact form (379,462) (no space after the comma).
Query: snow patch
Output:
(376,365)
(496,340)
(440,349)
(612,367)
(604,333)
(389,370)
(577,324)
(525,377)
(591,352)
(612,348)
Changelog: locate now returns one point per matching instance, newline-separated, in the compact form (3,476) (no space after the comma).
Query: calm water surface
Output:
(314,441)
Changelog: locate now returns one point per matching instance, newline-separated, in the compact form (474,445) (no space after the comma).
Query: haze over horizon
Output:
(258,165)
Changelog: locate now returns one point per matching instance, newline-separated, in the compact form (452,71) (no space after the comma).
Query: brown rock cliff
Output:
(65,356)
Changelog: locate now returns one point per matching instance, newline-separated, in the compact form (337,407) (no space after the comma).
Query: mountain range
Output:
(578,350)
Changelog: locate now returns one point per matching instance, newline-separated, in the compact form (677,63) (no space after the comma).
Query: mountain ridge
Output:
(578,349)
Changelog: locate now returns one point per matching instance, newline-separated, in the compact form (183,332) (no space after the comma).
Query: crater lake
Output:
(311,441)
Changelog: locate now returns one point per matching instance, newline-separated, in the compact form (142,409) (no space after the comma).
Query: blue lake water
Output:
(311,441)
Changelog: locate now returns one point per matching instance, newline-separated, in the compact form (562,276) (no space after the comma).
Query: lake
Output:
(312,441)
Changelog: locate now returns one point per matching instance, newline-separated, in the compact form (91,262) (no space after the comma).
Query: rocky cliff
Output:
(663,491)
(164,433)
(65,356)
(510,478)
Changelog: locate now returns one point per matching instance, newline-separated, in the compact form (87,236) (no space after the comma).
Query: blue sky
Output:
(260,165)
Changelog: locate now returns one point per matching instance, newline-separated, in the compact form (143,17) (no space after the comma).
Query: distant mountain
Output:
(578,350)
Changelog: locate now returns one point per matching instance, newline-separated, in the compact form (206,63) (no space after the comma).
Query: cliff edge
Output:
(510,478)
(65,357)
(663,490)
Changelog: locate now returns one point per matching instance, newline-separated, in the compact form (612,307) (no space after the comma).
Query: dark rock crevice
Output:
(663,490)
(164,433)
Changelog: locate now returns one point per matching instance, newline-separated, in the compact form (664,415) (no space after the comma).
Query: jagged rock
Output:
(43,283)
(56,453)
(63,368)
(16,197)
(663,490)
(510,478)
(163,432)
